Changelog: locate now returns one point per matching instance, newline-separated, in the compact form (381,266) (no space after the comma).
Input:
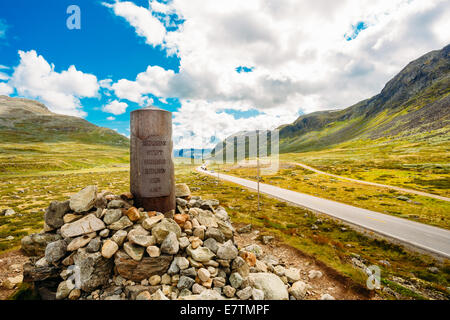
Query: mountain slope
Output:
(23,120)
(415,101)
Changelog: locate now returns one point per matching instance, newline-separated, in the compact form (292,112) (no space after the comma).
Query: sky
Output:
(219,66)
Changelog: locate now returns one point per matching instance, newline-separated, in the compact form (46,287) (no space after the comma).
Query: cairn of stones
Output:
(98,246)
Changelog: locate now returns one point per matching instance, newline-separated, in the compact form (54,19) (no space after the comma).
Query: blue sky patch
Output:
(241,69)
(356,29)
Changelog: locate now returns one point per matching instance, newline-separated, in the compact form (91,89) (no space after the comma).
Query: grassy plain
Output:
(28,191)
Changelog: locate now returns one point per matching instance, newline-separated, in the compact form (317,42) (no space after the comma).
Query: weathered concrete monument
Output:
(151,159)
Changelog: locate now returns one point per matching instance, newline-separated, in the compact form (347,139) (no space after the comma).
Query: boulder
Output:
(54,214)
(84,200)
(35,244)
(94,269)
(270,284)
(144,269)
(55,251)
(85,225)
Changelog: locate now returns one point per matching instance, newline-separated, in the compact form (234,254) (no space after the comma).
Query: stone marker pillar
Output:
(151,159)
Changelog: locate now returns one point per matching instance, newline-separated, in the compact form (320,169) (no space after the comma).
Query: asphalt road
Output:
(420,193)
(413,234)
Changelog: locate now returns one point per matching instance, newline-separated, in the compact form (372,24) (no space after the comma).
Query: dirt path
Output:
(11,265)
(341,288)
(420,193)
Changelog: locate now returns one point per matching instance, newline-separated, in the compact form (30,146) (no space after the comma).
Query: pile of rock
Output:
(99,246)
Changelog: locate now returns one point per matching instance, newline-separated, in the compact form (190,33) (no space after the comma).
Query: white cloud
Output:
(111,118)
(145,24)
(298,49)
(5,89)
(4,76)
(115,107)
(35,78)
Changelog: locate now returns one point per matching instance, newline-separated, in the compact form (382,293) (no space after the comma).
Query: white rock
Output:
(270,284)
(84,200)
(298,290)
(85,225)
(315,274)
(327,296)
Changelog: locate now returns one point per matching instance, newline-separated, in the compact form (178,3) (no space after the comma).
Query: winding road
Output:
(410,233)
(420,193)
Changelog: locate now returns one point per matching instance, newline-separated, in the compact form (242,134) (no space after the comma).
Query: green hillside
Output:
(24,121)
(415,102)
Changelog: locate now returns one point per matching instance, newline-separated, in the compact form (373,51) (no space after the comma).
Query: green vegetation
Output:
(331,243)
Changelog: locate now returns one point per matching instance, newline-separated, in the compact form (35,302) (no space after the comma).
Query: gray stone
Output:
(298,290)
(245,293)
(119,237)
(327,296)
(245,229)
(95,270)
(182,262)
(122,223)
(55,251)
(211,244)
(84,200)
(207,218)
(190,272)
(54,214)
(240,266)
(80,241)
(85,225)
(229,291)
(159,295)
(163,228)
(219,282)
(227,251)
(149,223)
(270,284)
(236,280)
(8,212)
(94,245)
(257,294)
(197,289)
(135,252)
(216,234)
(184,242)
(112,215)
(174,268)
(35,244)
(185,283)
(116,204)
(292,274)
(200,254)
(170,244)
(104,233)
(64,289)
(254,248)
